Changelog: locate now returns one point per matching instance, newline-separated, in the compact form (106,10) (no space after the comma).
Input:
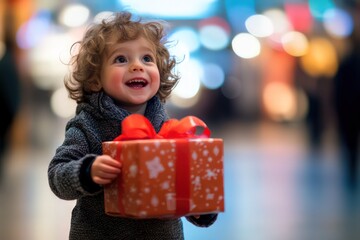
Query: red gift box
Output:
(165,177)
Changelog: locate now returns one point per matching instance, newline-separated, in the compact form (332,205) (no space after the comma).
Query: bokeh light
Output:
(338,22)
(279,20)
(295,43)
(259,25)
(319,7)
(187,36)
(279,101)
(178,49)
(47,64)
(281,25)
(61,104)
(246,46)
(184,103)
(189,85)
(74,15)
(299,16)
(34,30)
(238,11)
(213,76)
(214,33)
(321,58)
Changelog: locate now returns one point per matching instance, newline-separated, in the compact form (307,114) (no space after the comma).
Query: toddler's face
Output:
(130,74)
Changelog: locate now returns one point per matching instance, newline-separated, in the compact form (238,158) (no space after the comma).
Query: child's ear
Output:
(96,86)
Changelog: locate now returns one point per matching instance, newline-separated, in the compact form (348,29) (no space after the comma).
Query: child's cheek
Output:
(116,79)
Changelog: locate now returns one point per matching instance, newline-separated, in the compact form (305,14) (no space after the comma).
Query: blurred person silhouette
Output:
(347,98)
(9,87)
(314,118)
(122,67)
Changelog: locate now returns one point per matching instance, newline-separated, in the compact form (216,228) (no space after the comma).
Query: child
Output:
(122,67)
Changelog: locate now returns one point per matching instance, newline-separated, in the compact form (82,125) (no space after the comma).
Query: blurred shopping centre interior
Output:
(243,60)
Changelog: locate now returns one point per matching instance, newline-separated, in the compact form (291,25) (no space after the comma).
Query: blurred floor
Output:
(276,188)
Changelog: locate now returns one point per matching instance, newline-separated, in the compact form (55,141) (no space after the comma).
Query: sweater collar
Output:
(103,106)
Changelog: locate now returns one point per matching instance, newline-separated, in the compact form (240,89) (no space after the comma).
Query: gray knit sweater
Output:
(98,120)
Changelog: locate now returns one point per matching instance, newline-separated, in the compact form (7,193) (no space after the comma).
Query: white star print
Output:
(197,183)
(155,167)
(133,170)
(210,174)
(216,151)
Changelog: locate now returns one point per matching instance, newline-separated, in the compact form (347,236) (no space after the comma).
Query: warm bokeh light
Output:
(259,25)
(281,25)
(184,103)
(279,101)
(61,104)
(186,94)
(47,64)
(246,46)
(74,15)
(279,20)
(321,58)
(295,43)
(189,85)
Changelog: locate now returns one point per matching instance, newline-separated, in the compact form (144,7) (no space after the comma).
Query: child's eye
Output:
(148,58)
(120,59)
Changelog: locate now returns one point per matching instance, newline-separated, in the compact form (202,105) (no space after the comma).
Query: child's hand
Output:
(104,169)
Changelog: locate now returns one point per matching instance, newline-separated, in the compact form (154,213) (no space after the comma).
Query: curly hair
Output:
(87,62)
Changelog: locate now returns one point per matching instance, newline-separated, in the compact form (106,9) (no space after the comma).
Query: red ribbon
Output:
(120,184)
(137,126)
(182,177)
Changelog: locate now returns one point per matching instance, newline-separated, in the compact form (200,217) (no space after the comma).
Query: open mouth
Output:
(137,83)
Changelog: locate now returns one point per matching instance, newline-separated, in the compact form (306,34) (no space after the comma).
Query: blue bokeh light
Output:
(338,22)
(213,76)
(31,32)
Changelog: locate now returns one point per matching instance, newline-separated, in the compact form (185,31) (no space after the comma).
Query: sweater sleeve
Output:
(68,171)
(205,220)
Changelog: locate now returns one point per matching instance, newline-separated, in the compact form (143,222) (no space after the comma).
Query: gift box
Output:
(165,177)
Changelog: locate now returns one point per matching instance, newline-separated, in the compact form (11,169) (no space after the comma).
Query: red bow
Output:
(137,126)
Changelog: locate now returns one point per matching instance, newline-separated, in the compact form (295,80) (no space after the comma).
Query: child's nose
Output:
(136,66)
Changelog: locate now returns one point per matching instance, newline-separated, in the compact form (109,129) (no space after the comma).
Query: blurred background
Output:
(278,80)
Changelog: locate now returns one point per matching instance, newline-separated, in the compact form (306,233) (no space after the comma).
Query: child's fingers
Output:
(110,169)
(102,181)
(103,177)
(105,169)
(110,161)
(107,175)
